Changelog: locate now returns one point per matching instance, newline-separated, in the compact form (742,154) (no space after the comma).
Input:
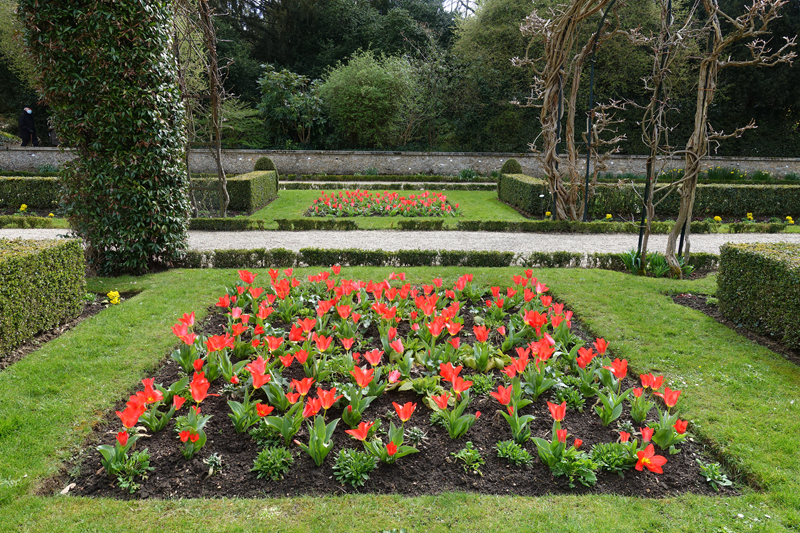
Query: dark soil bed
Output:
(433,470)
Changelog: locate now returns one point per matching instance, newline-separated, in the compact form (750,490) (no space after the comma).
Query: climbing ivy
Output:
(106,70)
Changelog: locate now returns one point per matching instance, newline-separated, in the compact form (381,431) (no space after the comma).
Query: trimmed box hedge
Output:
(248,192)
(387,186)
(42,284)
(411,178)
(35,192)
(525,194)
(759,287)
(279,257)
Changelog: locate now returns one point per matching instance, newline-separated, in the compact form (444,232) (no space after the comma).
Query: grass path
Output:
(738,395)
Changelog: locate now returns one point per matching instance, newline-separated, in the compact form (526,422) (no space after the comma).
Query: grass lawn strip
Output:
(49,401)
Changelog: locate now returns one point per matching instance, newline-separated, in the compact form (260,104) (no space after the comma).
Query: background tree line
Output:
(407,74)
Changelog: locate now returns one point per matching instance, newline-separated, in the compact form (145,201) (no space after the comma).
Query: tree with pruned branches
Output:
(724,30)
(558,72)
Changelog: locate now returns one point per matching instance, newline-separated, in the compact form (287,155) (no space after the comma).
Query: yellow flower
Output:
(51,215)
(608,216)
(23,207)
(717,219)
(548,214)
(749,215)
(113,297)
(788,218)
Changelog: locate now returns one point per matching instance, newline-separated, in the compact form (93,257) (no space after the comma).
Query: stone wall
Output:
(342,162)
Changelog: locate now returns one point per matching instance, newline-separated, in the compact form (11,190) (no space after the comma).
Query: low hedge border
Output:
(411,178)
(42,284)
(37,192)
(280,257)
(25,222)
(526,226)
(759,288)
(248,192)
(394,186)
(530,195)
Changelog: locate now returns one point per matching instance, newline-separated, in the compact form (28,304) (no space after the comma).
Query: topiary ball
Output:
(511,166)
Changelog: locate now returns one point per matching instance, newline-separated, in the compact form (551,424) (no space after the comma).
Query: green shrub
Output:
(353,467)
(772,270)
(35,192)
(248,192)
(378,178)
(420,225)
(264,163)
(511,166)
(42,284)
(110,83)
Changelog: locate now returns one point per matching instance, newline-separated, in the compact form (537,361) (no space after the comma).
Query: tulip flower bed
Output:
(366,203)
(336,385)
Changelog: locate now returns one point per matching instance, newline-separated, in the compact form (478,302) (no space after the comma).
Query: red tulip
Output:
(638,392)
(460,385)
(585,356)
(681,425)
(557,411)
(394,376)
(307,324)
(448,372)
(302,386)
(198,365)
(301,356)
(199,387)
(187,319)
(327,397)
(649,460)
(286,360)
(404,411)
(238,329)
(312,407)
(122,438)
(185,435)
(561,434)
(296,333)
(177,402)
(397,346)
(323,342)
(151,395)
(180,330)
(624,436)
(670,396)
(503,394)
(362,432)
(441,400)
(247,277)
(363,377)
(577,444)
(263,410)
(618,368)
(219,342)
(373,357)
(273,343)
(391,449)
(292,397)
(647,434)
(455,342)
(601,346)
(259,380)
(481,333)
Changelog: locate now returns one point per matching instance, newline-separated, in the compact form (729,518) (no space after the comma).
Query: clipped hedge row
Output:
(248,192)
(530,196)
(42,284)
(279,257)
(36,192)
(406,186)
(25,222)
(759,287)
(415,178)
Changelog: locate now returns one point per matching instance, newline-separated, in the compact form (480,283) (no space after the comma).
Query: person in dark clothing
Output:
(27,129)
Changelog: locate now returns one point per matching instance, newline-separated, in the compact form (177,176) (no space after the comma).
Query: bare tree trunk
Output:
(216,104)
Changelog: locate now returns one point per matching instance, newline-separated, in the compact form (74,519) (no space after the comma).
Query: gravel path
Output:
(436,240)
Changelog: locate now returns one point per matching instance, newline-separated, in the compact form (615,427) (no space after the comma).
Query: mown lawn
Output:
(741,398)
(474,205)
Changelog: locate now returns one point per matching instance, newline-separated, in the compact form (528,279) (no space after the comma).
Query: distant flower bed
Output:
(367,203)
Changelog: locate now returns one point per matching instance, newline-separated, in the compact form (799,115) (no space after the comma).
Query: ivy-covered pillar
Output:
(106,70)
